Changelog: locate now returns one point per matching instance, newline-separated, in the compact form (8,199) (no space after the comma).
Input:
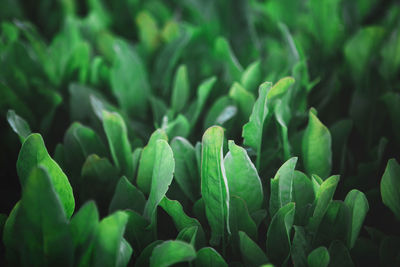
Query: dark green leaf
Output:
(181,89)
(390,187)
(186,172)
(252,254)
(319,257)
(118,141)
(339,255)
(127,196)
(358,207)
(278,235)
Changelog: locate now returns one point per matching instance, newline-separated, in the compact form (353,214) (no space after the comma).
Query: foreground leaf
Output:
(209,257)
(214,185)
(252,254)
(171,252)
(242,176)
(164,166)
(34,153)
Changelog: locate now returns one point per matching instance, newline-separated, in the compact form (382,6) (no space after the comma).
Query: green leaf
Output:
(34,153)
(203,91)
(358,206)
(303,196)
(83,227)
(209,257)
(148,30)
(339,255)
(221,112)
(127,196)
(181,89)
(390,187)
(392,103)
(109,240)
(164,166)
(41,225)
(316,148)
(360,49)
(251,76)
(144,258)
(279,89)
(99,179)
(283,116)
(244,99)
(188,235)
(18,124)
(171,252)
(129,81)
(278,235)
(146,163)
(226,56)
(253,130)
(300,246)
(180,126)
(242,176)
(323,199)
(319,257)
(186,171)
(137,232)
(240,220)
(175,210)
(117,136)
(252,254)
(214,185)
(282,186)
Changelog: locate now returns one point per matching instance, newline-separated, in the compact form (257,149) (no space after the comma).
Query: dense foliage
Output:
(201,133)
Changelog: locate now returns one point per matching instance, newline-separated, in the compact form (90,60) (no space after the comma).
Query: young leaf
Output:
(214,185)
(127,196)
(188,235)
(319,257)
(282,186)
(128,77)
(252,131)
(18,124)
(34,153)
(242,176)
(323,199)
(278,235)
(171,252)
(240,220)
(186,172)
(390,187)
(164,166)
(181,89)
(316,148)
(118,141)
(178,215)
(303,196)
(252,254)
(244,99)
(203,92)
(209,257)
(251,76)
(146,163)
(137,232)
(358,206)
(109,240)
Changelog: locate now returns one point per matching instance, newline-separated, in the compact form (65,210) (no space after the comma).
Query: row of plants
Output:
(151,133)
